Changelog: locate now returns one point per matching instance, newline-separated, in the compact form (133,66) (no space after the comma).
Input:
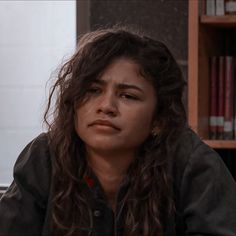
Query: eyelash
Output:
(93,90)
(128,96)
(97,91)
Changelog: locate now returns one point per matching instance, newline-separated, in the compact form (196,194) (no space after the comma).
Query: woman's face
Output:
(118,111)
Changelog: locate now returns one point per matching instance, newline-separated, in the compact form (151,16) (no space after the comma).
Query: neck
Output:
(110,168)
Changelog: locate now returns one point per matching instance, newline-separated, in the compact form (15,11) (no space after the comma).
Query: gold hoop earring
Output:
(154,133)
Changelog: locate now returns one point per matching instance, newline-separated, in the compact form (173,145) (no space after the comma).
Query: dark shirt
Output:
(204,194)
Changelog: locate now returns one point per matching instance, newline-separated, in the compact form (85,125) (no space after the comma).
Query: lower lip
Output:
(104,127)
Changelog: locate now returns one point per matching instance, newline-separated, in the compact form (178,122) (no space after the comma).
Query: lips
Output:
(104,123)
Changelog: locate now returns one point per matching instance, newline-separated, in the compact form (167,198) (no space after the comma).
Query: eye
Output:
(94,90)
(128,96)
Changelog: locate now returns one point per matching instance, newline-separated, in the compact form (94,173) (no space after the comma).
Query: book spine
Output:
(213,97)
(229,97)
(220,7)
(210,7)
(221,98)
(230,7)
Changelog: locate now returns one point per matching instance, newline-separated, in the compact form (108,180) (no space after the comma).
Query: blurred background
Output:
(37,36)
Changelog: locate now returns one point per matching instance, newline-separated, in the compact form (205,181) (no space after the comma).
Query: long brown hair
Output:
(149,198)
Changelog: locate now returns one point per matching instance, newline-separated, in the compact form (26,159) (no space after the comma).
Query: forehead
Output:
(123,70)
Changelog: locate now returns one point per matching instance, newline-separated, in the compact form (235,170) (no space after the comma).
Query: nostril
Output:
(108,111)
(107,106)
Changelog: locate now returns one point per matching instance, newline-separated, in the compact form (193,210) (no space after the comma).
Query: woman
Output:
(118,158)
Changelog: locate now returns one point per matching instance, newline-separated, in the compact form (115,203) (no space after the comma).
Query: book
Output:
(220,7)
(230,6)
(229,97)
(221,98)
(213,97)
(210,7)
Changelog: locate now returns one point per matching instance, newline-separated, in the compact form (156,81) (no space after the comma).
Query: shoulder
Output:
(37,151)
(200,177)
(185,143)
(189,145)
(187,140)
(32,169)
(191,154)
(196,161)
(198,158)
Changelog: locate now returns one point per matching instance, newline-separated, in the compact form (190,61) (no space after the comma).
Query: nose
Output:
(108,104)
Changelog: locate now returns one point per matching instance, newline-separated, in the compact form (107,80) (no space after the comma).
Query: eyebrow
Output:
(120,85)
(129,86)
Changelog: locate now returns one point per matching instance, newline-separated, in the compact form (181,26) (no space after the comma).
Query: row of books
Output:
(222,122)
(220,7)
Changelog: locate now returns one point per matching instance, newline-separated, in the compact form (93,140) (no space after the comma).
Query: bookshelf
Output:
(206,38)
(221,144)
(219,21)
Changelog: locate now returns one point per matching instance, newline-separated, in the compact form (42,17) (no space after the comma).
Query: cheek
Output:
(141,125)
(79,120)
(145,124)
(145,117)
(82,113)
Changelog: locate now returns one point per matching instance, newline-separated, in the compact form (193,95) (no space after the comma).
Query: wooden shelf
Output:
(207,37)
(221,144)
(219,21)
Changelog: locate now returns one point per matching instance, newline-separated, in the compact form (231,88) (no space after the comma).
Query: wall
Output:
(34,38)
(165,20)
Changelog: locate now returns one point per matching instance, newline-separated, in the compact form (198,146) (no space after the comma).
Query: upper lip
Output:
(105,123)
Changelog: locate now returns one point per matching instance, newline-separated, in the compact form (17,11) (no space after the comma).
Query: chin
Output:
(105,147)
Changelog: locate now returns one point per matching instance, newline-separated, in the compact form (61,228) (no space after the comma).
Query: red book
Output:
(221,98)
(213,97)
(229,97)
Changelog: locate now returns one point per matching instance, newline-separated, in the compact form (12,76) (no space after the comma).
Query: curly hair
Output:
(149,199)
